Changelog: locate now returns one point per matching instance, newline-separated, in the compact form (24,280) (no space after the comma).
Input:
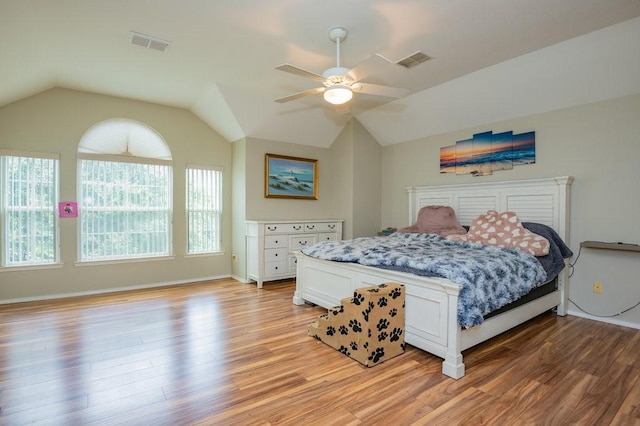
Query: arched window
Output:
(125,192)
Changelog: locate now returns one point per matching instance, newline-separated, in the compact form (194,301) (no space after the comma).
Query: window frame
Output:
(83,208)
(217,208)
(53,208)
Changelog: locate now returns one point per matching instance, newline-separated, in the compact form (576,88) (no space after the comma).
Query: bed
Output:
(431,322)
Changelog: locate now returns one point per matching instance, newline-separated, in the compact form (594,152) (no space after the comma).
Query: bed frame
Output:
(431,303)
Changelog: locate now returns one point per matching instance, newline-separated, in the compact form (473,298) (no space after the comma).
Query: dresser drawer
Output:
(321,227)
(293,264)
(327,236)
(276,268)
(275,241)
(297,242)
(283,228)
(276,254)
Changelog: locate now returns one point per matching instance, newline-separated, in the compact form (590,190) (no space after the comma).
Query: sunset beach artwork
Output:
(487,152)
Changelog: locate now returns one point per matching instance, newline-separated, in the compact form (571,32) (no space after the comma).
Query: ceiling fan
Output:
(338,83)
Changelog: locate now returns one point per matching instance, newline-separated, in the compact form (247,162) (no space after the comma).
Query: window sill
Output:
(120,261)
(209,254)
(30,267)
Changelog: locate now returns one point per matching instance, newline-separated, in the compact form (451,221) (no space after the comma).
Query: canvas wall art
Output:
(487,152)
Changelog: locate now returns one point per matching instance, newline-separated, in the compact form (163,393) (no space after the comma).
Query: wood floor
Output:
(223,352)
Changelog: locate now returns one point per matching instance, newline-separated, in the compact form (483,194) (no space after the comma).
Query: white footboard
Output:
(431,303)
(430,312)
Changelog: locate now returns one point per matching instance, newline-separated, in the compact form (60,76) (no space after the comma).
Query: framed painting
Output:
(290,177)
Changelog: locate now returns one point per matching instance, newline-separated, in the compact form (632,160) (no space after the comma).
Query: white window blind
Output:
(30,196)
(204,209)
(125,210)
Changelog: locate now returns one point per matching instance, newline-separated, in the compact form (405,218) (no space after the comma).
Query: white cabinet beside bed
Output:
(271,245)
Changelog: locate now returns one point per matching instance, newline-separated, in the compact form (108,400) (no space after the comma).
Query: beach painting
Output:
(487,152)
(290,177)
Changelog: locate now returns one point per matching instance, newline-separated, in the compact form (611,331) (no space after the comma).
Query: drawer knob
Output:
(297,228)
(331,226)
(272,228)
(310,226)
(276,254)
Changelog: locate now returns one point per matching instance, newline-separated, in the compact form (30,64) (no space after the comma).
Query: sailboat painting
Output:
(290,177)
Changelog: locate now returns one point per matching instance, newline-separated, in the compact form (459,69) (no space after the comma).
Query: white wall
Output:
(598,144)
(54,121)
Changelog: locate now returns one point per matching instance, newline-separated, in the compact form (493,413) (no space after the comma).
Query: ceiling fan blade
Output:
(300,95)
(366,68)
(375,89)
(302,73)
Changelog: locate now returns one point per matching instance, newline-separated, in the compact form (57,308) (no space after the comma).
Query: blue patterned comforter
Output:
(489,277)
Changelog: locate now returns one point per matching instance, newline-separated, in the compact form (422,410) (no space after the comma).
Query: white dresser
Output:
(271,245)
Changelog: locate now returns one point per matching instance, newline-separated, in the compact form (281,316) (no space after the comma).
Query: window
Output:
(30,195)
(126,210)
(204,209)
(125,201)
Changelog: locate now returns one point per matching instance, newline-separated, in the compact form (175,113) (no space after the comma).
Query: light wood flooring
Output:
(227,353)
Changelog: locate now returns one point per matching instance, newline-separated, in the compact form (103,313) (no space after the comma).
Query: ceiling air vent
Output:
(148,41)
(413,60)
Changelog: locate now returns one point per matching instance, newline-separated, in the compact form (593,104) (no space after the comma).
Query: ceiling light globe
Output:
(338,94)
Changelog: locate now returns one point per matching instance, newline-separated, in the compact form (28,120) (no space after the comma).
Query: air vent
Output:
(413,60)
(148,41)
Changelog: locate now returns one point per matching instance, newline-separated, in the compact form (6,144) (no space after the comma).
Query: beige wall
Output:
(54,121)
(238,209)
(367,180)
(598,144)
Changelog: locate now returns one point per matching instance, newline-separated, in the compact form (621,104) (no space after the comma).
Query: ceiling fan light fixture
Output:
(338,94)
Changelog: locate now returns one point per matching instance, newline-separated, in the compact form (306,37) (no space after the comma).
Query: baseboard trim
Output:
(111,290)
(608,320)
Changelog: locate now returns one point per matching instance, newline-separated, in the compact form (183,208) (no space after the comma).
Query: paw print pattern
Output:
(337,310)
(343,330)
(369,333)
(382,324)
(357,299)
(354,346)
(376,355)
(367,311)
(383,302)
(382,336)
(395,334)
(331,330)
(355,326)
(374,290)
(393,312)
(395,293)
(344,350)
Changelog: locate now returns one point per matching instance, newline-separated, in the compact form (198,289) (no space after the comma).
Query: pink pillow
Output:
(439,220)
(504,230)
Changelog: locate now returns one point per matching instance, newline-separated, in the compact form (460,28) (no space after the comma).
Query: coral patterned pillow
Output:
(504,230)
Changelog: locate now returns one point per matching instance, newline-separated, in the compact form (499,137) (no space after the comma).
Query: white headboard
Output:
(544,200)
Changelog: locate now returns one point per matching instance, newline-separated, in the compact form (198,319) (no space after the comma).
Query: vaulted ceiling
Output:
(222,57)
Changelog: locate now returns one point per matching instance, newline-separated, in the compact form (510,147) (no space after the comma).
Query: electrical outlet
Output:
(234,257)
(597,287)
